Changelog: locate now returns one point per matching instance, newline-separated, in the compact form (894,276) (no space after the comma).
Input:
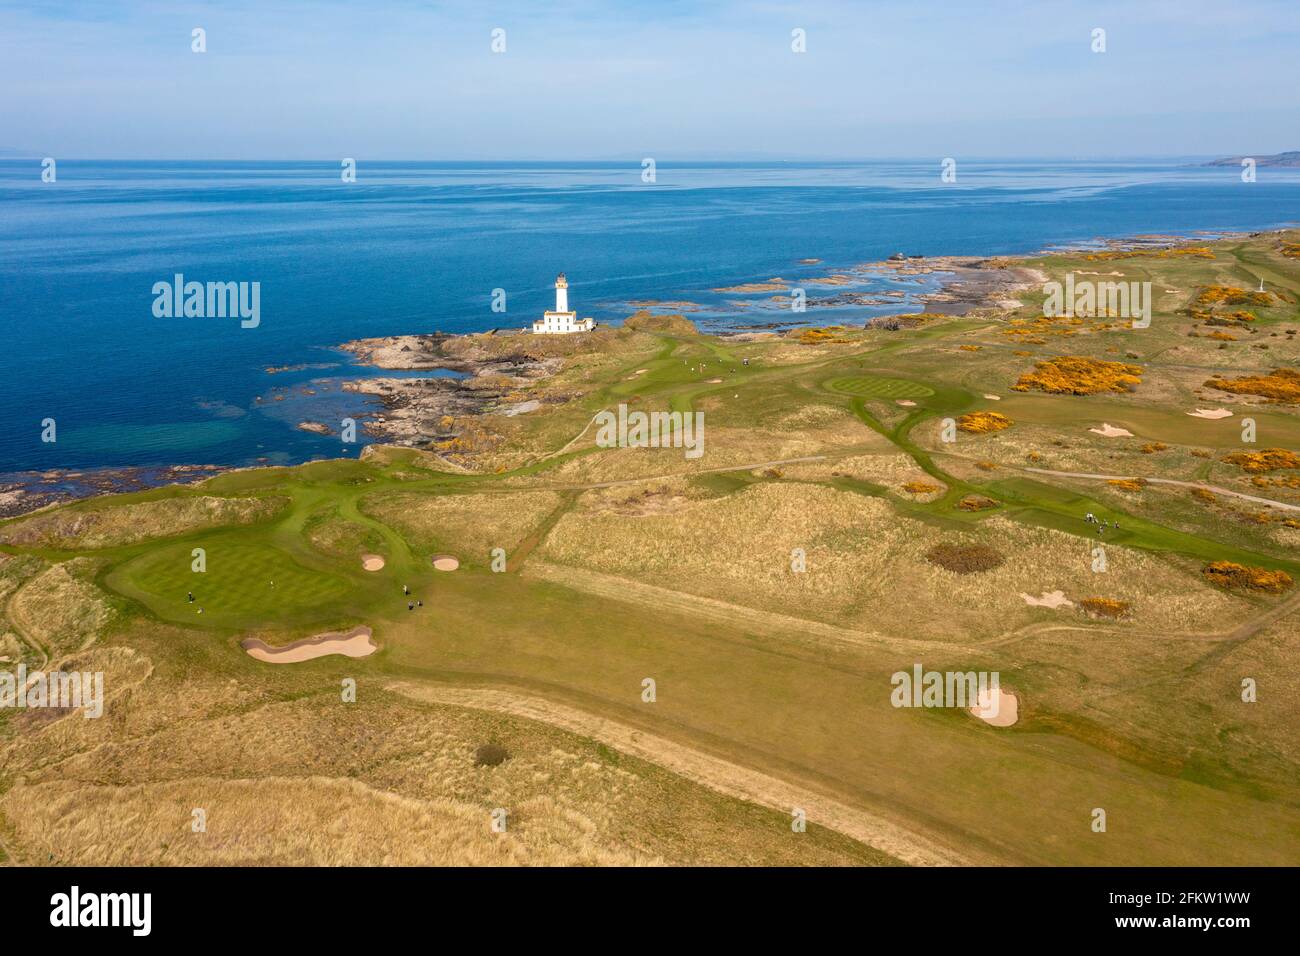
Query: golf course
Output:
(646,658)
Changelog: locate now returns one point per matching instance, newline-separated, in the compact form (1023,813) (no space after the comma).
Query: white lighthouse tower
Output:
(561,321)
(561,293)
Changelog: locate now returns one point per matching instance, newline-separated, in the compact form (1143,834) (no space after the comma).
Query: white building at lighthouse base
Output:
(561,321)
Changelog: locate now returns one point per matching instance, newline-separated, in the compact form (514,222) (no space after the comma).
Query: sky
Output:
(627,79)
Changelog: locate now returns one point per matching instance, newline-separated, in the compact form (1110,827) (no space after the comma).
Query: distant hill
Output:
(1291,158)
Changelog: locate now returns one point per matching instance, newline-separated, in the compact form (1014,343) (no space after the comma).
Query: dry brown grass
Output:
(865,563)
(643,321)
(472,524)
(106,526)
(384,781)
(59,609)
(892,470)
(301,821)
(336,536)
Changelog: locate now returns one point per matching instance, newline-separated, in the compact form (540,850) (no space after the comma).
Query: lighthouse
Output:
(561,293)
(561,321)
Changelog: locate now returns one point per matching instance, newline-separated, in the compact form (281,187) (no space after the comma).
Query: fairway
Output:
(236,584)
(875,386)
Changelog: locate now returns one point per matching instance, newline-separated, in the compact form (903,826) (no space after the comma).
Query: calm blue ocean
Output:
(418,247)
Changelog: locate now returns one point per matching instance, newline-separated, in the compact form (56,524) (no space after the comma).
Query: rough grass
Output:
(60,610)
(103,526)
(470,525)
(336,536)
(859,553)
(385,781)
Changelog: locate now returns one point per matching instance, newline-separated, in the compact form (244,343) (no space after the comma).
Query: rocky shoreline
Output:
(27,491)
(417,410)
(973,282)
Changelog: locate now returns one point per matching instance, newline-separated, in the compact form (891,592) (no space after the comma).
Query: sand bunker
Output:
(445,562)
(1211,413)
(1107,430)
(999,713)
(354,643)
(713,381)
(641,371)
(372,562)
(1052,599)
(995,398)
(906,402)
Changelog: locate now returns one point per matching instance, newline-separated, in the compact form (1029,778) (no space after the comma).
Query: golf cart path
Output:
(702,768)
(1171,481)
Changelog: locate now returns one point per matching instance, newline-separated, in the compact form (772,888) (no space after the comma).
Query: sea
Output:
(411,247)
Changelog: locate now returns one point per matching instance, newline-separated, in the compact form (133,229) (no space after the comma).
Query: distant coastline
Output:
(1287,160)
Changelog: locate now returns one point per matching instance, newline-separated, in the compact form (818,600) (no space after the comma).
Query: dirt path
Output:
(525,547)
(1171,481)
(573,441)
(1256,624)
(1248,630)
(675,474)
(715,773)
(24,628)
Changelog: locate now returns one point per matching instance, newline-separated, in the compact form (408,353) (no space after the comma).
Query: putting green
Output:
(236,584)
(875,386)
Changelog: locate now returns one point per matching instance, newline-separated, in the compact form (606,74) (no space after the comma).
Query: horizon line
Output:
(24,156)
